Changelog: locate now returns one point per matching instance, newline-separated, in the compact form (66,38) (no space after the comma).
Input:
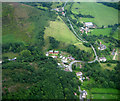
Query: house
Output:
(57,9)
(54,56)
(66,69)
(113,52)
(56,52)
(58,64)
(79,73)
(12,59)
(0,61)
(75,93)
(47,54)
(64,61)
(84,94)
(88,24)
(102,47)
(81,79)
(102,59)
(50,51)
(62,8)
(61,56)
(63,13)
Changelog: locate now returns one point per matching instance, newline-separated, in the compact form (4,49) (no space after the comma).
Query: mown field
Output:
(98,32)
(102,14)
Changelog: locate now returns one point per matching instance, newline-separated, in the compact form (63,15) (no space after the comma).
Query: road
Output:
(115,55)
(96,59)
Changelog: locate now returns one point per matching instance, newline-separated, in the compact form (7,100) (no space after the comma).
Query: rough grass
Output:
(104,66)
(103,15)
(16,26)
(82,47)
(10,55)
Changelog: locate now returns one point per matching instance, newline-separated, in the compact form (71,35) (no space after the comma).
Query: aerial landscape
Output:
(60,50)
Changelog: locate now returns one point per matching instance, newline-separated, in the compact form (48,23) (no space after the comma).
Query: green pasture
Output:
(105,31)
(102,14)
(104,96)
(60,31)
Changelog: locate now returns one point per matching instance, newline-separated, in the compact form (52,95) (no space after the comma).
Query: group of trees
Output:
(48,81)
(103,78)
(53,43)
(77,53)
(115,5)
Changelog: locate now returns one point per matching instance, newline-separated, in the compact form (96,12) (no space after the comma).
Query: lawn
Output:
(105,90)
(105,31)
(60,31)
(102,14)
(104,96)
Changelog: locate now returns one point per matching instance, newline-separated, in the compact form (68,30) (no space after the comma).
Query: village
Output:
(64,60)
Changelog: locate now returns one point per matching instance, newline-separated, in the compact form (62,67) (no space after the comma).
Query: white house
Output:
(79,73)
(102,59)
(89,24)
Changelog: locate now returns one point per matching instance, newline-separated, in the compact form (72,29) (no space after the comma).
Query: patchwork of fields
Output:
(102,14)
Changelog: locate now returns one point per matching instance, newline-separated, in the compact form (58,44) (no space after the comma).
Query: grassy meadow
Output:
(102,14)
(60,31)
(98,32)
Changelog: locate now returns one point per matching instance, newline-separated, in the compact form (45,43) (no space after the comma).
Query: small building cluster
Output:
(84,29)
(103,59)
(84,94)
(61,9)
(12,59)
(102,47)
(79,74)
(52,53)
(63,61)
(89,25)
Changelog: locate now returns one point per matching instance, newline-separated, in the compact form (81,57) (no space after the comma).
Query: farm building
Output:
(89,24)
(102,59)
(84,94)
(50,51)
(102,47)
(79,73)
(56,52)
(12,59)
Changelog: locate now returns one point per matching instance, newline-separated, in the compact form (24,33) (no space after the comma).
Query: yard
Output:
(102,14)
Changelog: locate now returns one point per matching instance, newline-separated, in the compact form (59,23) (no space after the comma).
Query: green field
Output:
(105,90)
(105,31)
(102,14)
(104,96)
(60,31)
